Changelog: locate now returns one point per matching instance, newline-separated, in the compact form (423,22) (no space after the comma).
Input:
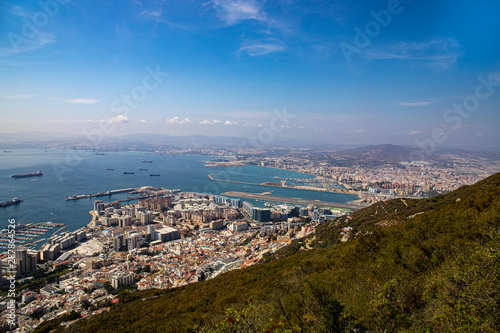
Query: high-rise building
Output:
(25,261)
(122,279)
(21,260)
(134,240)
(119,242)
(124,221)
(261,214)
(152,232)
(145,217)
(98,206)
(236,203)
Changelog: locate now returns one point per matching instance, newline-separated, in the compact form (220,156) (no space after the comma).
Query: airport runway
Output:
(297,201)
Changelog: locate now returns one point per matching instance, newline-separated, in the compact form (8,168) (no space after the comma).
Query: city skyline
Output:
(365,73)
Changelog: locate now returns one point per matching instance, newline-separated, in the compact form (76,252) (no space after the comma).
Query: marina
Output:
(28,235)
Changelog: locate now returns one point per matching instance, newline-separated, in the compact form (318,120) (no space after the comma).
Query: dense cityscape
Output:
(165,241)
(171,238)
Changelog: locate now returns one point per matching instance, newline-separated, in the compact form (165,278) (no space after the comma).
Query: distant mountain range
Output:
(385,153)
(140,140)
(388,153)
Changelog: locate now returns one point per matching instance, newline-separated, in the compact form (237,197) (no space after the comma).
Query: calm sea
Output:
(67,173)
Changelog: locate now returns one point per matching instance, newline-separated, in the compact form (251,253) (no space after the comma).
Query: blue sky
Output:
(347,72)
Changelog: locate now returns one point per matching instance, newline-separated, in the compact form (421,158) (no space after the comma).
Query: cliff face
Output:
(409,266)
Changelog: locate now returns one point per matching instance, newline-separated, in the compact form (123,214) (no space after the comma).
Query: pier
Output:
(58,230)
(100,194)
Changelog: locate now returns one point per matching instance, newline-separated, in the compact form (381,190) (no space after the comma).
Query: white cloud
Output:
(82,101)
(421,103)
(234,11)
(440,54)
(177,120)
(269,45)
(19,44)
(116,120)
(230,123)
(208,122)
(143,121)
(413,132)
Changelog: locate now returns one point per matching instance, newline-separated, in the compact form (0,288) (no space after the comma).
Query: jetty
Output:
(100,194)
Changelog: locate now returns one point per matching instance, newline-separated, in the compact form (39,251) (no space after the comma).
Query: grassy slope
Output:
(438,271)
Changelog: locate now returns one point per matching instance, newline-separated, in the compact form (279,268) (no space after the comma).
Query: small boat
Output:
(154,175)
(110,169)
(142,169)
(128,173)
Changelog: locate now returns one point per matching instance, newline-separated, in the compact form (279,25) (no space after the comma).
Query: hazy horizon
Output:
(399,72)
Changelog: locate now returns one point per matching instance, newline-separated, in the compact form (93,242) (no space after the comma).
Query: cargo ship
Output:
(154,175)
(110,169)
(142,169)
(34,174)
(128,173)
(14,201)
(146,161)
